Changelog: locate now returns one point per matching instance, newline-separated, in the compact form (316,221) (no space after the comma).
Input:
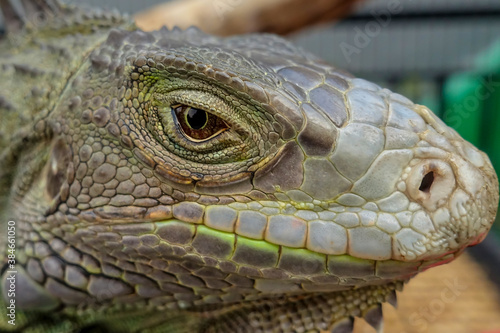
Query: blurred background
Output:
(443,54)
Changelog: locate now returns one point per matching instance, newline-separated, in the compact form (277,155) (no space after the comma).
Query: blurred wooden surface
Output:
(455,298)
(230,17)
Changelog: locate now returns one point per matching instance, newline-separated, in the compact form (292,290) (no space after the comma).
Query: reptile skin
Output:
(315,196)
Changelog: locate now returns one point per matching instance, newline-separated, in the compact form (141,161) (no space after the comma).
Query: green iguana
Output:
(173,181)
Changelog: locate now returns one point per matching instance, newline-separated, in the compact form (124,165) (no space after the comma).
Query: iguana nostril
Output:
(425,185)
(431,174)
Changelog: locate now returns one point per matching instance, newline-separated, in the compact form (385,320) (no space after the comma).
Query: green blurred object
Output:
(471,103)
(463,105)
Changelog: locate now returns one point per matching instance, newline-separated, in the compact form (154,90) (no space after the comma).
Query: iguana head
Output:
(255,149)
(349,167)
(186,169)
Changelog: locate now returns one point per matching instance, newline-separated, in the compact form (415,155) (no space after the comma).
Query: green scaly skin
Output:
(319,197)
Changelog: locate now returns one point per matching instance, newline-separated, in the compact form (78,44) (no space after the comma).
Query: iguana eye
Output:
(202,127)
(196,124)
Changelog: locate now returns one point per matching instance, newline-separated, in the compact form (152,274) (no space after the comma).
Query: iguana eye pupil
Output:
(198,125)
(196,118)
